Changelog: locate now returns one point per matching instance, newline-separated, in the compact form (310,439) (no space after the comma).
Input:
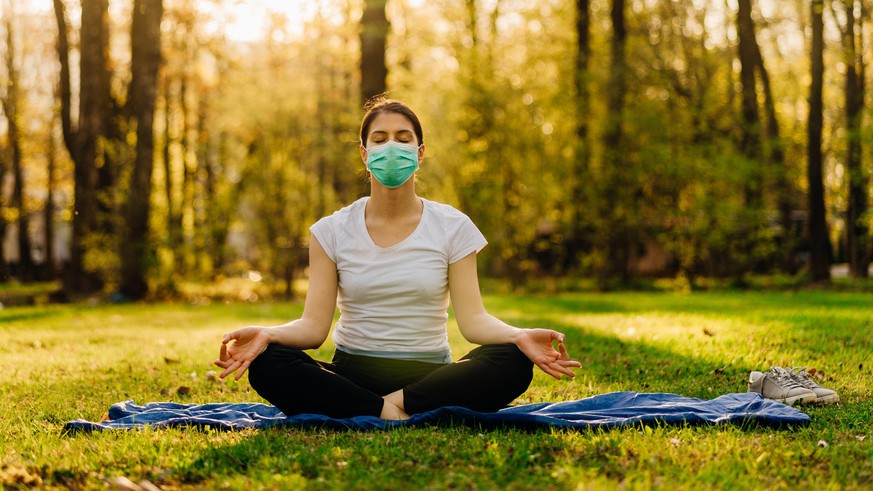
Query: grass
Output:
(67,362)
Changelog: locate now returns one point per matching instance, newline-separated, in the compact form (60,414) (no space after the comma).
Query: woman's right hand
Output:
(248,343)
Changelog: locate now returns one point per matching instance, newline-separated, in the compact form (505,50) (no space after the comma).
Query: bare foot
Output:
(390,411)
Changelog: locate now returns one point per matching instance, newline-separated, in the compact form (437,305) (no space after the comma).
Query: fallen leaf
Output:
(183,390)
(860,438)
(708,332)
(860,366)
(211,375)
(822,444)
(165,392)
(170,361)
(675,441)
(811,371)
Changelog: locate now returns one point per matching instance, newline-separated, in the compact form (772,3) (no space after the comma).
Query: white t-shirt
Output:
(393,301)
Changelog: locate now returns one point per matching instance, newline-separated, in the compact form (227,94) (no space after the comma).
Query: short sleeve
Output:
(323,231)
(465,238)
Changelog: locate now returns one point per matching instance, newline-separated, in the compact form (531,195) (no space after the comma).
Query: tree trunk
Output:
(780,184)
(615,241)
(819,243)
(49,210)
(751,130)
(145,61)
(858,234)
(11,101)
(580,178)
(83,142)
(374,31)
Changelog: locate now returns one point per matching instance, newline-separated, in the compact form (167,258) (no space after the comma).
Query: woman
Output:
(391,262)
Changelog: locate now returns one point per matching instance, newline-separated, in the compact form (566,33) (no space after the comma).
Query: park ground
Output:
(64,362)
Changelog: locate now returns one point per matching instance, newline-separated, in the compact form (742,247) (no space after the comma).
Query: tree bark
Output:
(374,31)
(145,61)
(819,243)
(856,227)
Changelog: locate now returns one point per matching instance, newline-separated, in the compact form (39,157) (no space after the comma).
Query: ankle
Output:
(391,411)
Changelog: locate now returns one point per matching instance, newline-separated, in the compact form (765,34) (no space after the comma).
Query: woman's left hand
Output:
(537,344)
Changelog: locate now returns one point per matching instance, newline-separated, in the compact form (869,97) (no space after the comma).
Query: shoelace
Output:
(784,378)
(803,377)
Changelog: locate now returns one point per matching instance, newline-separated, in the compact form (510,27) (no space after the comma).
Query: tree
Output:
(581,171)
(374,31)
(819,244)
(856,220)
(11,100)
(145,61)
(616,203)
(86,139)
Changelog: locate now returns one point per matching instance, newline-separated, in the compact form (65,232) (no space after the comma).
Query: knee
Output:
(513,365)
(268,365)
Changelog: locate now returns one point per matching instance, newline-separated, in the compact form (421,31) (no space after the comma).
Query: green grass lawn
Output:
(61,363)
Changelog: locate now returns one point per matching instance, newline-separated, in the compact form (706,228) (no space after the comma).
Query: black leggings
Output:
(487,379)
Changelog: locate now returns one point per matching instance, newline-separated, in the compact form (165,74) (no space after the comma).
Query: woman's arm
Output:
(480,327)
(239,348)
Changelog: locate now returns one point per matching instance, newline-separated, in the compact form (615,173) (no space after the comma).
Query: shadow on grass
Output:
(30,314)
(730,304)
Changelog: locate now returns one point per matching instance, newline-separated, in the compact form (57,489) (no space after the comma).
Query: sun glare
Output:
(249,20)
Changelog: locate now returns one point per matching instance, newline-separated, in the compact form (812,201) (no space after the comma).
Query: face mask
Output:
(392,163)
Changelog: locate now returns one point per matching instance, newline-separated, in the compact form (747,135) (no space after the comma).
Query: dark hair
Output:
(378,105)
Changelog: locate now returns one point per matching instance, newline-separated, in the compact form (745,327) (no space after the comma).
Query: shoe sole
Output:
(831,399)
(804,399)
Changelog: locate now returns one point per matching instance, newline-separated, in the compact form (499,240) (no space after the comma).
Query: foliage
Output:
(68,362)
(258,138)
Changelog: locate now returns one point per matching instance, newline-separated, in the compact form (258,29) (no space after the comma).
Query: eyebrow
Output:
(382,132)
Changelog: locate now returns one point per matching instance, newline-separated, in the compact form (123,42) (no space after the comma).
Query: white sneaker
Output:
(822,394)
(779,385)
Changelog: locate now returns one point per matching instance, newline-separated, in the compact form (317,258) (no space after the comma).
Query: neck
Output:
(389,203)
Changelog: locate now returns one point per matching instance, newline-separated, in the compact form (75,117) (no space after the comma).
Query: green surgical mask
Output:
(392,163)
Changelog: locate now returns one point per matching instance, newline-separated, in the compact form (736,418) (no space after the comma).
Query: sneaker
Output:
(779,385)
(804,378)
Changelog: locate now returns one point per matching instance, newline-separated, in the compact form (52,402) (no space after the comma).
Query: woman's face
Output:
(391,127)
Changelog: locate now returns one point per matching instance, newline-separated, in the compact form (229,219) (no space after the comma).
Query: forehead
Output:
(391,123)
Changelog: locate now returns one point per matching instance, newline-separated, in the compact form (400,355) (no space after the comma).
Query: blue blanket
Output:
(601,411)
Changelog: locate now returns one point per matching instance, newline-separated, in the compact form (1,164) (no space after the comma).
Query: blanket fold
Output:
(600,411)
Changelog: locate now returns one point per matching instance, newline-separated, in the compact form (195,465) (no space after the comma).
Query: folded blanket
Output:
(600,411)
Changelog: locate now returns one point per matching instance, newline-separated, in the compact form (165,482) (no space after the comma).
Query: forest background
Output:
(150,144)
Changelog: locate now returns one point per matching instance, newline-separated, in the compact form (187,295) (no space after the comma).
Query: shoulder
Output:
(446,212)
(344,215)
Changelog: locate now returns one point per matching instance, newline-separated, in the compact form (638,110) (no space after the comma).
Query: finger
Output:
(563,351)
(222,353)
(221,363)
(242,370)
(566,371)
(570,363)
(230,369)
(548,370)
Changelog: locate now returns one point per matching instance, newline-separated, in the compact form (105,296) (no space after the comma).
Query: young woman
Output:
(391,262)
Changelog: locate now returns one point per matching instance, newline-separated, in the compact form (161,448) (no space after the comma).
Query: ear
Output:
(420,153)
(363,151)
